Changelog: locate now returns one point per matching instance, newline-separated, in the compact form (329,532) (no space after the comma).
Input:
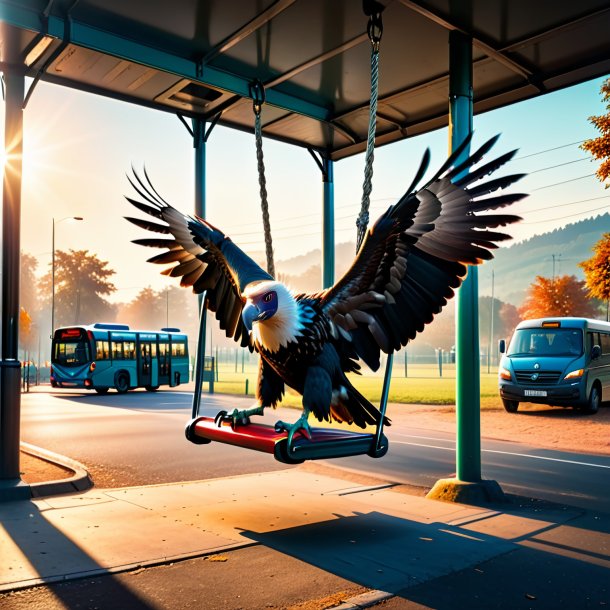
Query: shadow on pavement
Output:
(45,550)
(449,566)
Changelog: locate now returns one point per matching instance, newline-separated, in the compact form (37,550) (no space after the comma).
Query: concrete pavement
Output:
(418,552)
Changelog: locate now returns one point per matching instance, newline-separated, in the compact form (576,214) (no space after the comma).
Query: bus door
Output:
(145,363)
(164,361)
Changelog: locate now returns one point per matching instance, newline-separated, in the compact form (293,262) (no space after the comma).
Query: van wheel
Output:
(121,383)
(595,398)
(510,405)
(101,390)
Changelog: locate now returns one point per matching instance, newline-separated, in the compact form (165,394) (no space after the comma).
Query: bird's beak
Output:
(249,315)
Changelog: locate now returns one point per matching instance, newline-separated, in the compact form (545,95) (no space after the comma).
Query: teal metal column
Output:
(10,367)
(468,442)
(199,143)
(328,224)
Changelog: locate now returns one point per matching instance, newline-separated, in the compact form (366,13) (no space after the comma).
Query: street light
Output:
(53,268)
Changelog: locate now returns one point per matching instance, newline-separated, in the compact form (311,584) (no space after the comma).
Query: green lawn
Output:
(422,386)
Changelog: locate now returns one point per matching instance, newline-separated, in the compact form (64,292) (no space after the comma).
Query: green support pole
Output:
(328,224)
(199,143)
(467,365)
(467,487)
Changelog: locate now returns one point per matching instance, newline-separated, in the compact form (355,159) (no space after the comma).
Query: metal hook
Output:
(374,29)
(257,93)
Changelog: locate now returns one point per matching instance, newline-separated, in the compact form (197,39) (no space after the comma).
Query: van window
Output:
(605,343)
(546,342)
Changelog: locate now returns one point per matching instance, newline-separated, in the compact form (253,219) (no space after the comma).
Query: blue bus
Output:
(103,356)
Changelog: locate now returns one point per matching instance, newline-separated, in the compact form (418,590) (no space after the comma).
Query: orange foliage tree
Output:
(597,271)
(600,147)
(563,296)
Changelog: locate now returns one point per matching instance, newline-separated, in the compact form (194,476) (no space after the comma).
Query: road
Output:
(138,439)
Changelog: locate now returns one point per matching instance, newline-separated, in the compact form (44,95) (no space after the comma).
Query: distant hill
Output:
(515,267)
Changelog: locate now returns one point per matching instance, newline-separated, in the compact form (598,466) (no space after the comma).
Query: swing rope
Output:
(375,30)
(257,91)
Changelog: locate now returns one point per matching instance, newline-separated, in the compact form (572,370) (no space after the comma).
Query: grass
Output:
(422,386)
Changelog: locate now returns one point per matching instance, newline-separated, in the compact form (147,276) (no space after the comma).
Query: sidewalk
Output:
(413,552)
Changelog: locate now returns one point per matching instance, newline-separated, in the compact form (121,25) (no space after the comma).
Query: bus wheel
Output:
(121,383)
(595,398)
(101,390)
(510,405)
(151,388)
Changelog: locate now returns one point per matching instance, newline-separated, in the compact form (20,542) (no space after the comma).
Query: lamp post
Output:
(53,268)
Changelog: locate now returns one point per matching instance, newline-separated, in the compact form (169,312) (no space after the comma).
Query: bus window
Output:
(129,350)
(102,350)
(163,358)
(178,349)
(117,350)
(72,353)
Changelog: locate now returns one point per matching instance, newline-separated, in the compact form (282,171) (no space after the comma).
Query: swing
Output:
(325,443)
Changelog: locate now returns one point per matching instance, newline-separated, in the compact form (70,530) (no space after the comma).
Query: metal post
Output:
(328,224)
(11,486)
(467,364)
(491,325)
(199,144)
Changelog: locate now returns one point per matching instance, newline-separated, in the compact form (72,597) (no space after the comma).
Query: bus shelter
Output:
(204,60)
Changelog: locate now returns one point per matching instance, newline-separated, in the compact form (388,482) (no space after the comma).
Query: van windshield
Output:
(546,342)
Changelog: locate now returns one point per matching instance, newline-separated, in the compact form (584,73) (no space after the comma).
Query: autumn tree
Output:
(599,147)
(597,271)
(81,283)
(499,319)
(152,309)
(28,284)
(146,310)
(562,296)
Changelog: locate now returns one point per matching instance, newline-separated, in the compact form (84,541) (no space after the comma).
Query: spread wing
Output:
(205,257)
(415,256)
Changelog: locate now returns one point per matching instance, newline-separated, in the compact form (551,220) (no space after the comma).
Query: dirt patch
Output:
(36,470)
(538,425)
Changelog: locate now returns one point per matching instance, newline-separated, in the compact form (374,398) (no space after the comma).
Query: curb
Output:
(79,481)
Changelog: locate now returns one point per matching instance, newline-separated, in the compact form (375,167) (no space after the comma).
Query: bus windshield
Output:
(546,342)
(71,348)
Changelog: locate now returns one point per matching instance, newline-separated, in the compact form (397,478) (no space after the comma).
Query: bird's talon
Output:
(300,425)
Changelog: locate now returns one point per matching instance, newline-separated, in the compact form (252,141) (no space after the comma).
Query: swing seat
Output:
(325,443)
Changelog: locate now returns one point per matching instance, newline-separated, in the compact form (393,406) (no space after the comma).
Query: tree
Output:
(28,284)
(560,297)
(150,309)
(597,271)
(81,280)
(146,311)
(600,147)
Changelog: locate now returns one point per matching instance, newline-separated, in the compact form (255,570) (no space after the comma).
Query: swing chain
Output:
(375,30)
(257,92)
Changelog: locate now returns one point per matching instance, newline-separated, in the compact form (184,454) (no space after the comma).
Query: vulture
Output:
(409,264)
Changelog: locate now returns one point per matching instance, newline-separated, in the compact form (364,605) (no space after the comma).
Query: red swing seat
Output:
(325,443)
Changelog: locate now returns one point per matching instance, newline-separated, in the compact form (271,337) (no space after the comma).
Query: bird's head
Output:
(271,313)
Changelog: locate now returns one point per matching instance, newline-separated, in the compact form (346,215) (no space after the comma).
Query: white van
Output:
(556,361)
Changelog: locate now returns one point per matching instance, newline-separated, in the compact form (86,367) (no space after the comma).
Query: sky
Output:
(78,148)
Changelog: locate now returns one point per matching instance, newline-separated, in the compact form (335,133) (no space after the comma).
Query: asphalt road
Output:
(138,439)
